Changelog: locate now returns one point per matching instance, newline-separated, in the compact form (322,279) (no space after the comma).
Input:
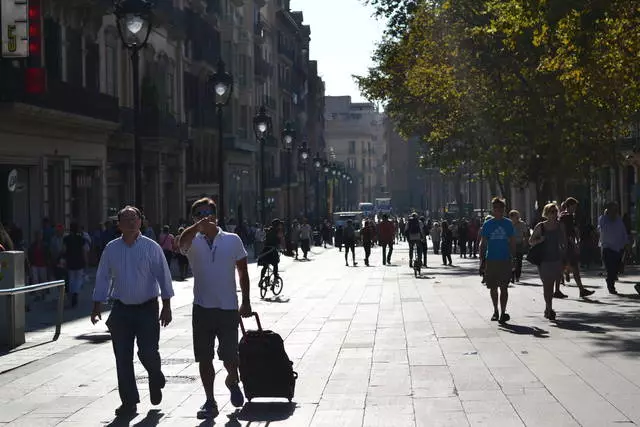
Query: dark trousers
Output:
(129,323)
(611,260)
(349,246)
(463,247)
(386,256)
(518,264)
(367,251)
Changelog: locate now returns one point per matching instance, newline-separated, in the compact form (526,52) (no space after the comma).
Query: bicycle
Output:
(270,281)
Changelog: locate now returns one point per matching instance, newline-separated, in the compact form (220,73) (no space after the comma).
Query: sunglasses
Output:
(204,213)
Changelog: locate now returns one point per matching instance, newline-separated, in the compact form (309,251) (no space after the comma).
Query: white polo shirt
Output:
(214,269)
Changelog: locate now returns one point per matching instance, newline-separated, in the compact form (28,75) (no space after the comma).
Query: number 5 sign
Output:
(15,31)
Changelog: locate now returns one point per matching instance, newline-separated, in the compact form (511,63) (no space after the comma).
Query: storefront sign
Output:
(15,28)
(12,180)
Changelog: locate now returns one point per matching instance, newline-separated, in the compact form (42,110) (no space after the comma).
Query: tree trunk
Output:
(459,196)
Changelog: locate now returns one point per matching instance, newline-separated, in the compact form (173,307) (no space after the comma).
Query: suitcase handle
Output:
(253,314)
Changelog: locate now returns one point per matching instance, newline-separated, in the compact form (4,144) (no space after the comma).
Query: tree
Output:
(531,90)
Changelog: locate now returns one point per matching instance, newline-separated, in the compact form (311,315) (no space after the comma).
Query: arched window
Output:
(111,72)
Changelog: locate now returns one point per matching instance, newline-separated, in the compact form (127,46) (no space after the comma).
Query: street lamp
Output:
(288,137)
(262,129)
(222,84)
(133,18)
(317,165)
(304,156)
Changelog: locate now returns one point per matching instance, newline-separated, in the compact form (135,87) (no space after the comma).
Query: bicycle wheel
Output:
(277,285)
(263,286)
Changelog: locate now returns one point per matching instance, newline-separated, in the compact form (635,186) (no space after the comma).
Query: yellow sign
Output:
(15,28)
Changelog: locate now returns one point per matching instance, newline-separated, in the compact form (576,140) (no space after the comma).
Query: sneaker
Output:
(495,316)
(612,291)
(208,411)
(551,315)
(237,398)
(586,292)
(637,288)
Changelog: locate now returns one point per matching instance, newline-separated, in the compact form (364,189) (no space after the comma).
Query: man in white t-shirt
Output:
(214,256)
(305,237)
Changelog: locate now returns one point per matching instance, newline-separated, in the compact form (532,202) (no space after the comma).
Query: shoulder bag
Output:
(536,252)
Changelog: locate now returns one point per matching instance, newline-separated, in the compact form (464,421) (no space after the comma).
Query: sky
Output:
(344,35)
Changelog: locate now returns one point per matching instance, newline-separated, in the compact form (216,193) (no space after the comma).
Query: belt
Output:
(146,303)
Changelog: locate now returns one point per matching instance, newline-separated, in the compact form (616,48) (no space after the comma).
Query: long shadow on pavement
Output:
(524,330)
(265,411)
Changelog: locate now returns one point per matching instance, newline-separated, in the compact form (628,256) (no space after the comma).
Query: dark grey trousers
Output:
(129,323)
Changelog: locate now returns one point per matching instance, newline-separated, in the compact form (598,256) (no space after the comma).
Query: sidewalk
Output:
(373,347)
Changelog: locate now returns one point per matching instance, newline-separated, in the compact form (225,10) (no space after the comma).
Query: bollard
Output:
(12,321)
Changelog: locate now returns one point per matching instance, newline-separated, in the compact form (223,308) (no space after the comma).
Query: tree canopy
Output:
(526,90)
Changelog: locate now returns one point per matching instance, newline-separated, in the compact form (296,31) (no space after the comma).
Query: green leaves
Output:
(530,89)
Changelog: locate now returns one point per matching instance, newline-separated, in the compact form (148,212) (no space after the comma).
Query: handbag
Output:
(536,252)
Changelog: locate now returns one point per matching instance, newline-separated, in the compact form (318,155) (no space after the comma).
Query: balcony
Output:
(153,124)
(61,96)
(262,68)
(274,182)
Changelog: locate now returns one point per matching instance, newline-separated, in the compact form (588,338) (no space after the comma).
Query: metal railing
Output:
(12,292)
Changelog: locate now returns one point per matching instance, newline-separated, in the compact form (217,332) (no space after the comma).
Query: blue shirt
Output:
(139,272)
(613,233)
(498,233)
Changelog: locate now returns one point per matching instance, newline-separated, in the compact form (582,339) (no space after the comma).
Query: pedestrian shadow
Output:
(264,412)
(573,325)
(152,419)
(277,299)
(524,330)
(537,285)
(95,338)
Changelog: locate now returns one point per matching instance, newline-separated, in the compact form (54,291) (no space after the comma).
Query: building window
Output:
(52,49)
(351,163)
(74,56)
(111,62)
(352,147)
(92,65)
(244,120)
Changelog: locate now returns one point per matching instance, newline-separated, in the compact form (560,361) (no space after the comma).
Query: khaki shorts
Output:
(497,273)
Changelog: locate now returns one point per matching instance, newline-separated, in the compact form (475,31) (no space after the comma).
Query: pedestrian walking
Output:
(167,242)
(183,262)
(572,258)
(521,236)
(436,232)
(305,238)
(386,234)
(414,235)
(447,243)
(552,234)
(613,238)
(497,248)
(75,252)
(349,238)
(294,238)
(368,235)
(215,255)
(133,272)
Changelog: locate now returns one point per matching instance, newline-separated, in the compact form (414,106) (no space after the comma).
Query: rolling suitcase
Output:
(265,368)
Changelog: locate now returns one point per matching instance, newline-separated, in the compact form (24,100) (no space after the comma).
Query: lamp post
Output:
(262,129)
(317,165)
(327,171)
(288,136)
(304,156)
(222,84)
(133,18)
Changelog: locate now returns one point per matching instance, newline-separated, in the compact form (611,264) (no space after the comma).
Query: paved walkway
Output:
(373,347)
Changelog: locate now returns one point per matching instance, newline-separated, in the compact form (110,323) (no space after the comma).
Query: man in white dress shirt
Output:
(214,256)
(140,274)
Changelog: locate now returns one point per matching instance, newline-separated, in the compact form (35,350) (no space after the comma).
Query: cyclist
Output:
(270,254)
(414,236)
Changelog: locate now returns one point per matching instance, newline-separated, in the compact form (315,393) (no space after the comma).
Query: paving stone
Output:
(372,347)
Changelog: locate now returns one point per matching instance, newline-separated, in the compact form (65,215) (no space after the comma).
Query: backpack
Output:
(414,229)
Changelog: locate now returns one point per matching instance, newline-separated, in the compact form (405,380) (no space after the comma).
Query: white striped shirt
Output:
(139,272)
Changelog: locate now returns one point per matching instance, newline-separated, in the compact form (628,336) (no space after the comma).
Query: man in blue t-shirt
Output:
(497,246)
